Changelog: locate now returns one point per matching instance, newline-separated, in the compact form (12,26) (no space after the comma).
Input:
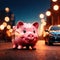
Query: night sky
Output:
(26,10)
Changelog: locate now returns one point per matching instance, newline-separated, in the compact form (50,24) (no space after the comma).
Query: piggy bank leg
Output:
(19,47)
(33,47)
(14,44)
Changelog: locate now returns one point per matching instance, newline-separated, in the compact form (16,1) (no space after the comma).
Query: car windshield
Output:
(55,28)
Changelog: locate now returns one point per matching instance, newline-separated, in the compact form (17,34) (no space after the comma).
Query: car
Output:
(52,35)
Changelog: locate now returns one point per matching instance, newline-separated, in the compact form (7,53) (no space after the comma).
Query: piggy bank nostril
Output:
(30,35)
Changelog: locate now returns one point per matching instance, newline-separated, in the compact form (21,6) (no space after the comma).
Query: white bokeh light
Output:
(56,7)
(2,27)
(41,16)
(54,0)
(48,13)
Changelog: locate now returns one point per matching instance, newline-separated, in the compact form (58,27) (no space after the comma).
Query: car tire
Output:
(46,43)
(50,43)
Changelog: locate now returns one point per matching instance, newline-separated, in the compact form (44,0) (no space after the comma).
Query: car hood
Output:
(55,32)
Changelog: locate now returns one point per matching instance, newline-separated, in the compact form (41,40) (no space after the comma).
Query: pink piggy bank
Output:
(25,35)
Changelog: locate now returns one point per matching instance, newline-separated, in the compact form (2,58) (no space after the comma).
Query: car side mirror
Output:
(46,31)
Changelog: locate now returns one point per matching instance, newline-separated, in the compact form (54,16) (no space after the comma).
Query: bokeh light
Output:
(5,24)
(54,0)
(48,13)
(11,30)
(7,9)
(8,33)
(7,19)
(2,27)
(8,26)
(56,7)
(43,22)
(41,16)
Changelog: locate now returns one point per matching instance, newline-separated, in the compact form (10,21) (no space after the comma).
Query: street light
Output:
(48,13)
(41,16)
(43,23)
(7,19)
(54,0)
(7,9)
(56,7)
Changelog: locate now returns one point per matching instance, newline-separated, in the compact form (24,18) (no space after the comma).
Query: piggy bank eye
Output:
(34,31)
(24,31)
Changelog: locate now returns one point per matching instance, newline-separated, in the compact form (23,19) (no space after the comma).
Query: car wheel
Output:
(50,43)
(46,43)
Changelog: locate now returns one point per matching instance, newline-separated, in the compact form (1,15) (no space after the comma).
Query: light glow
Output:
(41,16)
(2,27)
(45,34)
(7,9)
(48,13)
(5,24)
(8,26)
(42,27)
(58,25)
(43,22)
(8,33)
(11,30)
(54,0)
(7,19)
(56,7)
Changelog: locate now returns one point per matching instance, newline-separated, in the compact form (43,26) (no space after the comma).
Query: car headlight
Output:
(51,35)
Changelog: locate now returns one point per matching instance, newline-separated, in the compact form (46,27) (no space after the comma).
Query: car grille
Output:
(58,34)
(58,39)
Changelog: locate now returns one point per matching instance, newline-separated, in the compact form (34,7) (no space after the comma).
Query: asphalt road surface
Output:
(42,52)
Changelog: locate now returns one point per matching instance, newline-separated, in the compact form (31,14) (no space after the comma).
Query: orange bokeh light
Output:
(11,30)
(8,33)
(8,26)
(7,9)
(5,24)
(7,19)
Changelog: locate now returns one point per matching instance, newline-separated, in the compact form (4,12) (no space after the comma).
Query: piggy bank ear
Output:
(36,24)
(19,24)
(14,27)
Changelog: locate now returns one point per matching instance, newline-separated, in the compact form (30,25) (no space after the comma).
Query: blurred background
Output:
(47,13)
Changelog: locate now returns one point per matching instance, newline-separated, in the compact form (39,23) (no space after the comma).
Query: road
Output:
(42,52)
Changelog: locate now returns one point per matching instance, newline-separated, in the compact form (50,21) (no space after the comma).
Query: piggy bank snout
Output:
(30,35)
